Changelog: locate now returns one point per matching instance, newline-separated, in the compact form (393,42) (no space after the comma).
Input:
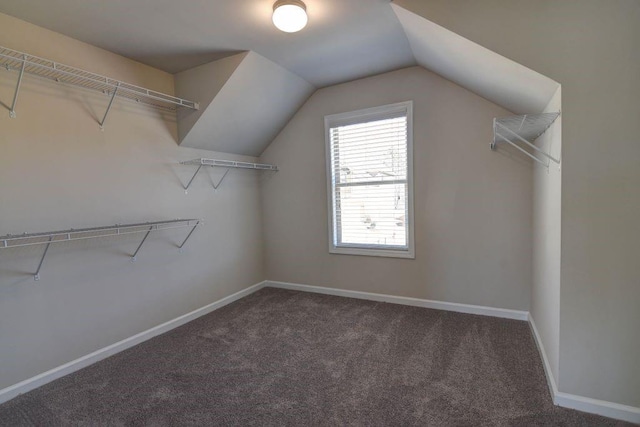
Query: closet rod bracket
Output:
(529,144)
(188,235)
(12,112)
(36,276)
(522,131)
(215,186)
(186,189)
(133,257)
(113,96)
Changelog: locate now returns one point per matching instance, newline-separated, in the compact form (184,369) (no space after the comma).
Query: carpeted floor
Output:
(280,357)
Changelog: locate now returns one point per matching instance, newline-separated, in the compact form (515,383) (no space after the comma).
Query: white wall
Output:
(590,48)
(547,199)
(58,171)
(472,206)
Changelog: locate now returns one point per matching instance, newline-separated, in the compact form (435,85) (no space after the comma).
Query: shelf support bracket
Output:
(12,112)
(133,257)
(526,142)
(523,150)
(36,276)
(113,96)
(215,186)
(186,189)
(188,235)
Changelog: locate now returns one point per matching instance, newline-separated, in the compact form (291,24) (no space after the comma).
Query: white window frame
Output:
(359,116)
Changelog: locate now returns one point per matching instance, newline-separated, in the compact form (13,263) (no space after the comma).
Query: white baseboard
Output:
(84,361)
(573,401)
(601,407)
(551,381)
(415,302)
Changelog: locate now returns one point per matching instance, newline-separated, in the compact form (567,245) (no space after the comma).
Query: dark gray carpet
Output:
(292,358)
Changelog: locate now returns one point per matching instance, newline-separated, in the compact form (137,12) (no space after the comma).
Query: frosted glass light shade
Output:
(289,15)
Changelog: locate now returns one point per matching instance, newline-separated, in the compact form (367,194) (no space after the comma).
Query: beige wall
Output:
(590,47)
(547,198)
(472,205)
(28,38)
(58,171)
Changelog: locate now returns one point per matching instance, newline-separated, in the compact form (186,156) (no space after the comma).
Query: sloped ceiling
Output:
(203,83)
(496,78)
(245,100)
(254,77)
(344,39)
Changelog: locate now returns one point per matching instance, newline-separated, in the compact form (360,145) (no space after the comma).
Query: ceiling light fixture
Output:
(289,16)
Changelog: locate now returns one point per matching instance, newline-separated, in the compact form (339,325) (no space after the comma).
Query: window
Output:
(369,170)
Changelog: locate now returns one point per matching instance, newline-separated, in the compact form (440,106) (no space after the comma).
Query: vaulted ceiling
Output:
(250,78)
(344,40)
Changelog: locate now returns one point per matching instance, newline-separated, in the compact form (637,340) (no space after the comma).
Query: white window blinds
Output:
(369,179)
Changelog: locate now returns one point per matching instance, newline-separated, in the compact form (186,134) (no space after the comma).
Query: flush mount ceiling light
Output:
(289,15)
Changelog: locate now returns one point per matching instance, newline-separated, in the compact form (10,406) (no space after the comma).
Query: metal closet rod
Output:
(45,68)
(19,240)
(229,164)
(533,125)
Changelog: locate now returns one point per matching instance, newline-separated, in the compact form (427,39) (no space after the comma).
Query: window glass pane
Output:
(373,151)
(372,215)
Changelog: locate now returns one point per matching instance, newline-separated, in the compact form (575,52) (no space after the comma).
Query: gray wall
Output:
(472,206)
(58,170)
(547,199)
(590,48)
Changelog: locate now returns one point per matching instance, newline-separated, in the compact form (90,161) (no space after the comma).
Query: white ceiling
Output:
(344,40)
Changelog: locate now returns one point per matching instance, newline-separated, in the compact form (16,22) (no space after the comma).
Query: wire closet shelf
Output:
(45,68)
(228,164)
(525,129)
(47,238)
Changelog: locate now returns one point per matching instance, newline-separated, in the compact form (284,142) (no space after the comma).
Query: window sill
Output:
(386,253)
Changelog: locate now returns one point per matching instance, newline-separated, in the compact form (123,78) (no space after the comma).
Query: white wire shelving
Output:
(525,129)
(228,164)
(47,238)
(21,62)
